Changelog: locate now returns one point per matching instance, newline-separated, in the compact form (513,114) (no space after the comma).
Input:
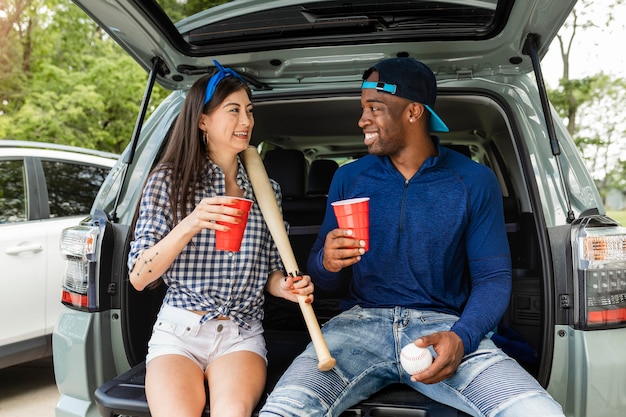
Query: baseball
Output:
(415,359)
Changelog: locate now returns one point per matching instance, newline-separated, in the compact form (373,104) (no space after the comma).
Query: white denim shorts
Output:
(178,331)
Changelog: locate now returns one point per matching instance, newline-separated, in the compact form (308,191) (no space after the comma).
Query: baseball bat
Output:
(271,213)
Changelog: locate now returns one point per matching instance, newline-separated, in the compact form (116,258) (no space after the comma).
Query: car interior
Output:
(303,142)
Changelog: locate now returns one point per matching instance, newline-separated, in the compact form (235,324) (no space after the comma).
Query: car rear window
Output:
(72,187)
(221,22)
(12,192)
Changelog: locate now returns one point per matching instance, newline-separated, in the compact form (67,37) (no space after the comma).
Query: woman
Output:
(209,326)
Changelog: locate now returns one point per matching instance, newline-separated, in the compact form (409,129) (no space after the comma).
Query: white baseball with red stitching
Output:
(415,359)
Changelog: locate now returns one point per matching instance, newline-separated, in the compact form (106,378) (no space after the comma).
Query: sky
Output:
(594,50)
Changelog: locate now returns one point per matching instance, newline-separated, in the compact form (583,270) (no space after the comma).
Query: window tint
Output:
(72,187)
(12,192)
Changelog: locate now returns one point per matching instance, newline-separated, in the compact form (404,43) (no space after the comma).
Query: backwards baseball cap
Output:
(407,78)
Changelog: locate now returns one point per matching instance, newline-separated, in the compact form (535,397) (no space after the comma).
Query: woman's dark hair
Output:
(186,151)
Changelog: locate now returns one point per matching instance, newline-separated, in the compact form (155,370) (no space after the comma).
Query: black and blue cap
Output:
(407,78)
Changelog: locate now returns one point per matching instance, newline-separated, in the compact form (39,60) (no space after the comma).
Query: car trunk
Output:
(479,129)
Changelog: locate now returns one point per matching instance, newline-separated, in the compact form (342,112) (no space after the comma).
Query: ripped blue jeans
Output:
(366,344)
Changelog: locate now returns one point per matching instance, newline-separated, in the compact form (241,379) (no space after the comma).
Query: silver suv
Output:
(566,322)
(44,188)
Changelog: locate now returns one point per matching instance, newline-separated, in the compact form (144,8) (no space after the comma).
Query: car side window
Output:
(72,187)
(12,192)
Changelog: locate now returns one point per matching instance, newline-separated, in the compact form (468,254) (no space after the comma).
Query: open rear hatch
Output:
(294,54)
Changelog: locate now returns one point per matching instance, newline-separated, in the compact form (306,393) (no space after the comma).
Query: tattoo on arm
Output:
(146,262)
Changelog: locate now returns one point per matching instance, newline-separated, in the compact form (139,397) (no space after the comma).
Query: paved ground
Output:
(28,390)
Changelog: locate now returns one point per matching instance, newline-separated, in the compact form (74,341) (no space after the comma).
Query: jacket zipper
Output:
(406,187)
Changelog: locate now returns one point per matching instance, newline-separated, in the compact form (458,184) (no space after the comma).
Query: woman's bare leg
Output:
(175,387)
(236,382)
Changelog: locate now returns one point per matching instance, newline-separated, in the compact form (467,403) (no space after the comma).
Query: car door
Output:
(22,255)
(39,197)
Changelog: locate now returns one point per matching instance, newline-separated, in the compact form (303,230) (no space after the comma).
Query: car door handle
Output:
(16,250)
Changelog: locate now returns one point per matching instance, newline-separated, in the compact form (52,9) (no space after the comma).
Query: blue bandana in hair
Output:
(216,78)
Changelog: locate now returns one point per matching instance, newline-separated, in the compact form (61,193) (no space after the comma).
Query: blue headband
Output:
(216,78)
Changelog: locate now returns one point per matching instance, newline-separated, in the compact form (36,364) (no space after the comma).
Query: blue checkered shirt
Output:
(201,278)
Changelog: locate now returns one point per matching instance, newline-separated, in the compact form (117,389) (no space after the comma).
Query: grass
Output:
(620,216)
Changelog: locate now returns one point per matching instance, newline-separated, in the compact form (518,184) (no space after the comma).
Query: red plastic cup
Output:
(231,240)
(354,214)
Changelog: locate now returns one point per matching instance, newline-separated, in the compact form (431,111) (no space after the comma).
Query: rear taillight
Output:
(79,247)
(600,258)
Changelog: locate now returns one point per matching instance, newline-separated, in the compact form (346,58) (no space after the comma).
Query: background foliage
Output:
(63,80)
(592,107)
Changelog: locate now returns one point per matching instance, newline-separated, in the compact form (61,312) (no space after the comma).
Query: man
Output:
(437,272)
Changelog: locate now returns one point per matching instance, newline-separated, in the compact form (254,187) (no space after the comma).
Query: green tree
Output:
(15,35)
(79,87)
(601,128)
(592,107)
(179,9)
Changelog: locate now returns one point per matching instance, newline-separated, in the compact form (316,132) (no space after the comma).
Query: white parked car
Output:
(43,189)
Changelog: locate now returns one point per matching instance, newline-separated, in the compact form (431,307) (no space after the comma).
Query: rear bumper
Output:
(588,372)
(83,360)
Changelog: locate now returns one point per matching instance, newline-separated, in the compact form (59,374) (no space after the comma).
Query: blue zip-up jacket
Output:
(437,241)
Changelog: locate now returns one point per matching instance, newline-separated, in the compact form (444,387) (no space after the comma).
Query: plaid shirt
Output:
(201,278)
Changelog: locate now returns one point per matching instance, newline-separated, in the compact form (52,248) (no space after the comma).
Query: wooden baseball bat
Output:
(271,213)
